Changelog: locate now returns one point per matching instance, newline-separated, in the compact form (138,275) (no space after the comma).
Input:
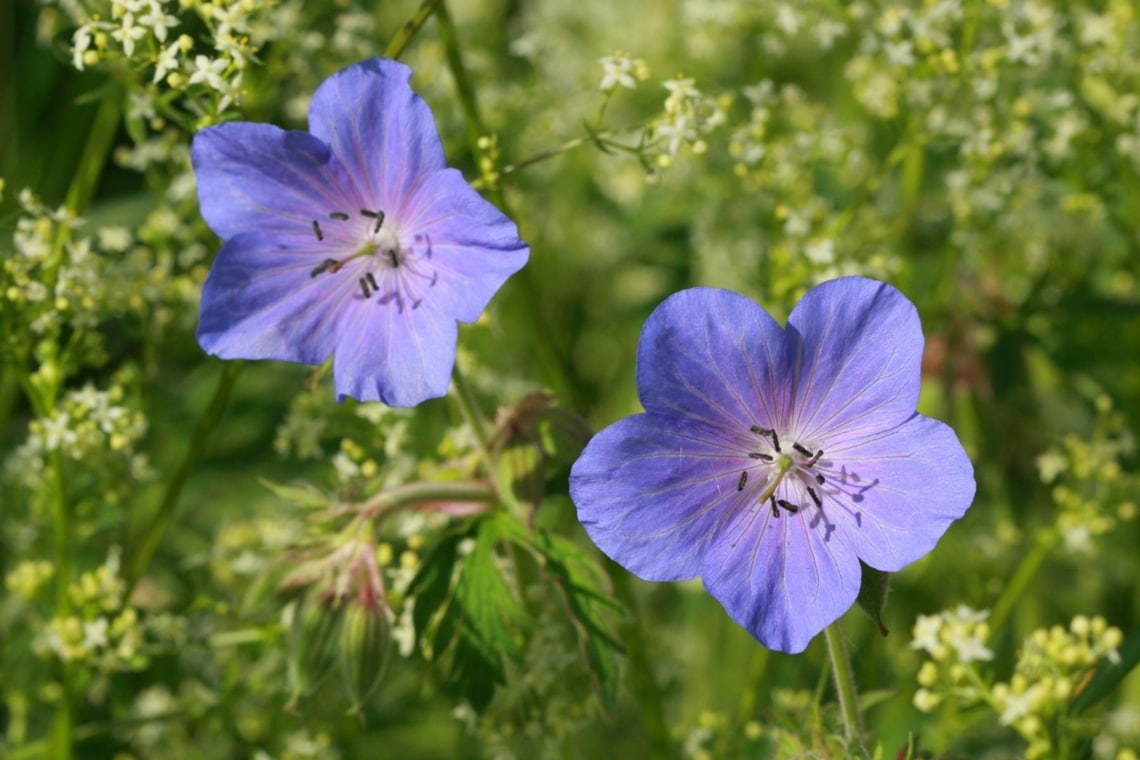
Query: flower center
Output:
(400,273)
(775,465)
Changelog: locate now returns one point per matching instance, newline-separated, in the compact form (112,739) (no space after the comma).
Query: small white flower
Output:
(926,630)
(158,19)
(80,42)
(964,614)
(127,33)
(969,648)
(617,70)
(95,634)
(167,62)
(209,72)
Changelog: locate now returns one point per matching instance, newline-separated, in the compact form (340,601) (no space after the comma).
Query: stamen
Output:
(762,457)
(392,257)
(814,459)
(379,223)
(322,267)
(802,449)
(819,479)
(364,287)
(775,510)
(369,214)
(317,230)
(743,479)
(814,496)
(371,280)
(768,433)
(340,216)
(788,505)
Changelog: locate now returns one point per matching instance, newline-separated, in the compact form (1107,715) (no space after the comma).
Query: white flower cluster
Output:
(88,425)
(687,118)
(1052,664)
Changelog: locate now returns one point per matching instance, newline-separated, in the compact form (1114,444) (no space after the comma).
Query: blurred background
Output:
(983,157)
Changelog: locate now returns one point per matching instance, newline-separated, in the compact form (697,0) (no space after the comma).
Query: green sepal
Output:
(873,594)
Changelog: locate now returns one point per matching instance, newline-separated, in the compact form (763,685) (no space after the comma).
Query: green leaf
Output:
(873,594)
(484,622)
(585,590)
(432,584)
(1109,676)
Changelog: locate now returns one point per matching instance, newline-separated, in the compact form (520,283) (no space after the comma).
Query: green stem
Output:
(1021,579)
(408,31)
(650,697)
(99,138)
(844,685)
(463,87)
(152,534)
(469,410)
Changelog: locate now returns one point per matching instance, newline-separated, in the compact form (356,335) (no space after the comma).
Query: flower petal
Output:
(398,355)
(379,128)
(780,578)
(473,244)
(714,356)
(898,491)
(651,490)
(861,358)
(260,302)
(259,178)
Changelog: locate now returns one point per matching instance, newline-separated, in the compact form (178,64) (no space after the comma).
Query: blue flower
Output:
(770,460)
(353,240)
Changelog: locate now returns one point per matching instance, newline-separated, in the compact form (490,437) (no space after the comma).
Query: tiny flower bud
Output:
(926,700)
(928,674)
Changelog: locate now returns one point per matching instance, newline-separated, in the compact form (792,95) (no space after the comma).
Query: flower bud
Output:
(364,643)
(312,642)
(562,434)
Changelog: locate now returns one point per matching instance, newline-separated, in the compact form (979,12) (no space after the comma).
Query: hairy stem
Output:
(410,494)
(152,534)
(844,685)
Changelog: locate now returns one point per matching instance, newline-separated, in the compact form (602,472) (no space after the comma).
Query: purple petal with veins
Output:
(353,240)
(770,461)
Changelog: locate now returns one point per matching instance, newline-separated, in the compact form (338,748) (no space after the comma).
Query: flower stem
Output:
(844,685)
(99,138)
(475,127)
(469,409)
(152,534)
(1020,580)
(409,29)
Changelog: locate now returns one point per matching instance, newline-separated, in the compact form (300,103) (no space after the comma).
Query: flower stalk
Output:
(845,691)
(151,537)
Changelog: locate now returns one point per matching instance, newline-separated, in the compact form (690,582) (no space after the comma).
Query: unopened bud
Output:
(563,434)
(312,643)
(365,639)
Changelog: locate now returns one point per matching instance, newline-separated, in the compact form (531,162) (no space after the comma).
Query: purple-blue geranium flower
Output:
(770,460)
(353,240)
